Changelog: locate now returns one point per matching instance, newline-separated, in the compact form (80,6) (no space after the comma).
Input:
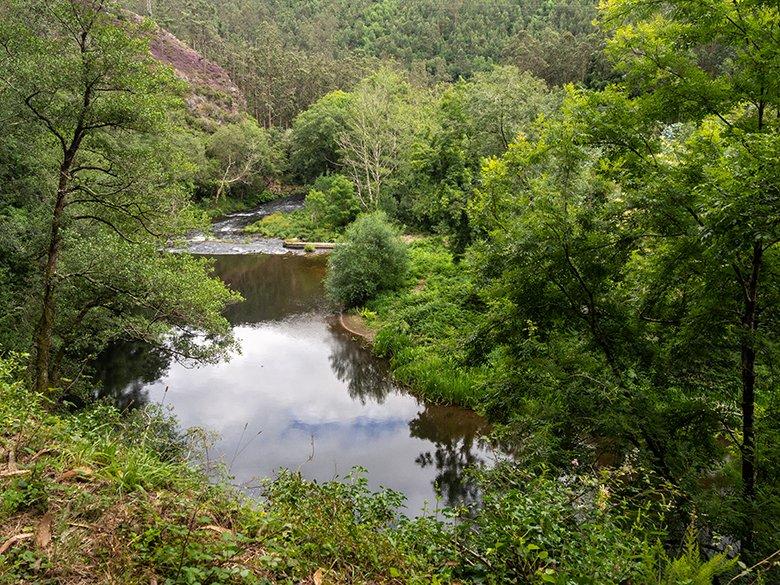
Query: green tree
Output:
(496,105)
(241,157)
(471,120)
(333,201)
(708,190)
(372,260)
(314,141)
(377,133)
(110,187)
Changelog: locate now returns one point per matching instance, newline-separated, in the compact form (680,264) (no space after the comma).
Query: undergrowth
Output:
(103,496)
(294,225)
(420,328)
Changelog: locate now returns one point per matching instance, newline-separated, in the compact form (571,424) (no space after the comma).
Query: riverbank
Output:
(419,328)
(109,496)
(357,326)
(105,496)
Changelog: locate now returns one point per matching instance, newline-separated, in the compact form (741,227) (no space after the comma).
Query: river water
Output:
(302,394)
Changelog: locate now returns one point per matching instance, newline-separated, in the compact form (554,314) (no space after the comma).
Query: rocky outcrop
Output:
(213,94)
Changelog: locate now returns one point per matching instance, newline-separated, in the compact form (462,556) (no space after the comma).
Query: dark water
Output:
(320,401)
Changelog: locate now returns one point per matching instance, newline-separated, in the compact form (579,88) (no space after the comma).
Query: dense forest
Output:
(563,215)
(285,55)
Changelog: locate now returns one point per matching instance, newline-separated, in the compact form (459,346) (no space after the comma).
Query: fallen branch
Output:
(13,540)
(14,473)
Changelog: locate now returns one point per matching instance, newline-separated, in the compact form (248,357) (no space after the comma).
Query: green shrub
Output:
(333,201)
(536,527)
(371,261)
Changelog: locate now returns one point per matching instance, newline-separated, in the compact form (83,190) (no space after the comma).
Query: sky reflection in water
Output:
(321,402)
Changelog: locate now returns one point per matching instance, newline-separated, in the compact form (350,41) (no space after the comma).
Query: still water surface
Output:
(302,394)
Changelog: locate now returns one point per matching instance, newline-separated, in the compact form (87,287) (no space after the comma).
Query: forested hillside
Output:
(285,55)
(561,216)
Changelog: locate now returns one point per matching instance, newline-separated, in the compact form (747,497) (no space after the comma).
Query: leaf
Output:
(43,533)
(79,472)
(13,540)
(317,578)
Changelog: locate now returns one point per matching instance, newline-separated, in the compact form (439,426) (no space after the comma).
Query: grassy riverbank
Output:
(421,327)
(294,225)
(102,496)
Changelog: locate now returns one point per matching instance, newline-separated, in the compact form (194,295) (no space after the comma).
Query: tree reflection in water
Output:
(456,435)
(454,432)
(367,378)
(126,368)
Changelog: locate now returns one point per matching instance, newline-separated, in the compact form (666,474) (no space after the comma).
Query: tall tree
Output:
(712,65)
(377,132)
(84,76)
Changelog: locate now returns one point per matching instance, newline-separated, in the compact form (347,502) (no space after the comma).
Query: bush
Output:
(333,201)
(371,261)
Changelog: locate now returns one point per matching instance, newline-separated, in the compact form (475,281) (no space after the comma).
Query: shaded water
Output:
(320,402)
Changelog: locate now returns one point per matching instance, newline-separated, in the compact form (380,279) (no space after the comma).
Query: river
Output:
(302,394)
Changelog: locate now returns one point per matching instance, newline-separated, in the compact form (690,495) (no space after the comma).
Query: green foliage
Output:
(420,328)
(296,225)
(109,176)
(528,532)
(379,128)
(332,201)
(314,141)
(471,120)
(689,568)
(606,288)
(372,260)
(241,160)
(103,476)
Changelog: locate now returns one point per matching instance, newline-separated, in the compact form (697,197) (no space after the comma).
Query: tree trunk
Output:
(748,361)
(45,329)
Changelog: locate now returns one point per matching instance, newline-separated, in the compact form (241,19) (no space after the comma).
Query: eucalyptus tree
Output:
(377,132)
(80,73)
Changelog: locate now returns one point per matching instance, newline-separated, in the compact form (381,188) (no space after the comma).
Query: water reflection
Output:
(302,394)
(132,366)
(273,286)
(366,377)
(455,434)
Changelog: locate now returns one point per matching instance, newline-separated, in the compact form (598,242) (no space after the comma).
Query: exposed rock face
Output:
(211,85)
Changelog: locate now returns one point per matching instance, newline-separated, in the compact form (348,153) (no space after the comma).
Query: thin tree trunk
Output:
(45,329)
(748,362)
